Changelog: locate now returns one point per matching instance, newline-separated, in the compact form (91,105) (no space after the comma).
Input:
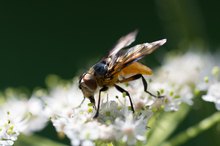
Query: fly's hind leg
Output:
(138,76)
(126,92)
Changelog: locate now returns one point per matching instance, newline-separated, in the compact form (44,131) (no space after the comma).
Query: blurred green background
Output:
(41,37)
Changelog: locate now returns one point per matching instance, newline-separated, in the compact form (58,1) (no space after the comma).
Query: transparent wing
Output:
(123,42)
(125,57)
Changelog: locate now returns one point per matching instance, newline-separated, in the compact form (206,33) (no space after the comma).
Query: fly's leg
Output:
(92,100)
(81,102)
(126,92)
(138,76)
(99,99)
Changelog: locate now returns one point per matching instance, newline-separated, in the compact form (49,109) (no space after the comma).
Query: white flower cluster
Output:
(176,81)
(213,87)
(20,115)
(178,76)
(115,123)
(8,130)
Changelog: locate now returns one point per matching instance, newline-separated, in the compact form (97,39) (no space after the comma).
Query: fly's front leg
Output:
(99,99)
(138,76)
(92,100)
(126,92)
(81,102)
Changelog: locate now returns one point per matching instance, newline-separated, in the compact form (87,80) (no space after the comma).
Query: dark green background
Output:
(43,37)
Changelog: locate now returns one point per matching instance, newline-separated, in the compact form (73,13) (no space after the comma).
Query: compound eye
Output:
(100,68)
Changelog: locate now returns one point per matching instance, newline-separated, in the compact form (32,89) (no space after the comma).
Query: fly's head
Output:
(88,85)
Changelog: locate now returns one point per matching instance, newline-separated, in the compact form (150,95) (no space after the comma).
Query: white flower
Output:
(106,132)
(87,143)
(175,80)
(29,113)
(187,68)
(109,111)
(80,131)
(178,76)
(129,129)
(213,95)
(20,115)
(62,99)
(9,130)
(174,95)
(184,95)
(78,125)
(17,109)
(37,119)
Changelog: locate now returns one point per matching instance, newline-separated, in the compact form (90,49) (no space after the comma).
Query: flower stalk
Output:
(193,131)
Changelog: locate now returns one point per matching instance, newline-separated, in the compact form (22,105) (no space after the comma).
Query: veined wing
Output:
(123,42)
(125,57)
(103,65)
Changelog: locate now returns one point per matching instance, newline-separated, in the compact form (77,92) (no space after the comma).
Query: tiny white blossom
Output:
(9,130)
(213,95)
(183,69)
(79,132)
(28,112)
(174,95)
(88,143)
(37,119)
(62,99)
(109,111)
(106,132)
(129,129)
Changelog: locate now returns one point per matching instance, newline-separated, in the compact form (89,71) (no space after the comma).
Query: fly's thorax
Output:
(107,81)
(88,84)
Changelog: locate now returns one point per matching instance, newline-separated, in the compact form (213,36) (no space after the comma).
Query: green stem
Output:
(34,140)
(193,131)
(164,125)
